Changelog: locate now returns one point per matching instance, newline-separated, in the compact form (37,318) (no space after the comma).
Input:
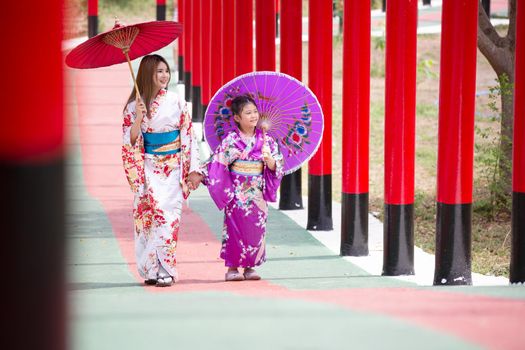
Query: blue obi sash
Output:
(247,167)
(162,143)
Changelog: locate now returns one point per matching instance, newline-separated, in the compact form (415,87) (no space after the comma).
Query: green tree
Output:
(499,51)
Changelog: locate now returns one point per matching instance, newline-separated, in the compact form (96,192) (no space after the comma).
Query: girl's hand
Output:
(267,157)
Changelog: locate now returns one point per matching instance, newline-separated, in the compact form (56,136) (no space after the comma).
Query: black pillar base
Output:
(181,69)
(398,240)
(197,114)
(92,26)
(290,192)
(453,244)
(320,203)
(187,87)
(486,6)
(161,12)
(354,224)
(517,257)
(33,226)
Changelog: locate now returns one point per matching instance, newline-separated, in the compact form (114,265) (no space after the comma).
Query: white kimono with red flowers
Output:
(159,182)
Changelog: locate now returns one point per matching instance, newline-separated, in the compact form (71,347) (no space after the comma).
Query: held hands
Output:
(194,180)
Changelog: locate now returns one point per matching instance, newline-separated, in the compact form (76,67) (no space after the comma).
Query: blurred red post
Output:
(228,40)
(161,10)
(243,37)
(265,35)
(205,53)
(32,171)
(186,43)
(216,47)
(196,57)
(92,18)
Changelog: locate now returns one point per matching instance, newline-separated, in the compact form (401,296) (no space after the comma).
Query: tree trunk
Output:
(507,113)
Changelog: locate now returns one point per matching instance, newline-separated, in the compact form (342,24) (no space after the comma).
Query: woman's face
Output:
(161,77)
(248,117)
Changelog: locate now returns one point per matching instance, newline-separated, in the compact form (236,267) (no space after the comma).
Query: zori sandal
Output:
(251,275)
(164,279)
(231,276)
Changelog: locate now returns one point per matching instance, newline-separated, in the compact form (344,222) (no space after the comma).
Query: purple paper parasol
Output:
(287,106)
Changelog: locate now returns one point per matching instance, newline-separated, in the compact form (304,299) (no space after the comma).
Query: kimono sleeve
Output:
(272,178)
(217,173)
(132,155)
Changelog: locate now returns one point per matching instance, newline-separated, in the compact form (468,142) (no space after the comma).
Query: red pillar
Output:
(216,47)
(180,48)
(92,18)
(456,141)
(400,130)
(265,35)
(205,52)
(517,264)
(228,40)
(186,43)
(320,81)
(196,79)
(356,116)
(32,171)
(243,37)
(161,10)
(291,61)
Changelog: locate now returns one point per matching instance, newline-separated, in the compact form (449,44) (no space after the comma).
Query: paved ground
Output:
(310,298)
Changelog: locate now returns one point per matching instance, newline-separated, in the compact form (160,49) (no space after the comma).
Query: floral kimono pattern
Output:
(158,182)
(243,196)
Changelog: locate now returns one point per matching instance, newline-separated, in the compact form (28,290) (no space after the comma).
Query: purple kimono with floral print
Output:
(243,197)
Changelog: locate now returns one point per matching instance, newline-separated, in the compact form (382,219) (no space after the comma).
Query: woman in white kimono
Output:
(161,160)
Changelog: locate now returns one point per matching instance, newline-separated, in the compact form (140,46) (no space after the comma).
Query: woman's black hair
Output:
(239,102)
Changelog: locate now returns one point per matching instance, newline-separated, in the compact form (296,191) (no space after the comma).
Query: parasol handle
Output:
(264,127)
(125,52)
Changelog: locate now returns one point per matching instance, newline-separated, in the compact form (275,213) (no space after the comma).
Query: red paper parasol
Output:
(123,43)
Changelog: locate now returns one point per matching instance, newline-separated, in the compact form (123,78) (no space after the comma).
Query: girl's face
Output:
(248,117)
(161,78)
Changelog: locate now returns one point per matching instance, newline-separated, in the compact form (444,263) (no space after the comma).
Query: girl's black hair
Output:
(239,102)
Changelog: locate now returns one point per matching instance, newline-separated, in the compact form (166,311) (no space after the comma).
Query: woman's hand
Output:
(140,108)
(140,111)
(194,180)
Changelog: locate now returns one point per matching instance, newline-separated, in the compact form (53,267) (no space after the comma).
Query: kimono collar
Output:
(157,102)
(256,151)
